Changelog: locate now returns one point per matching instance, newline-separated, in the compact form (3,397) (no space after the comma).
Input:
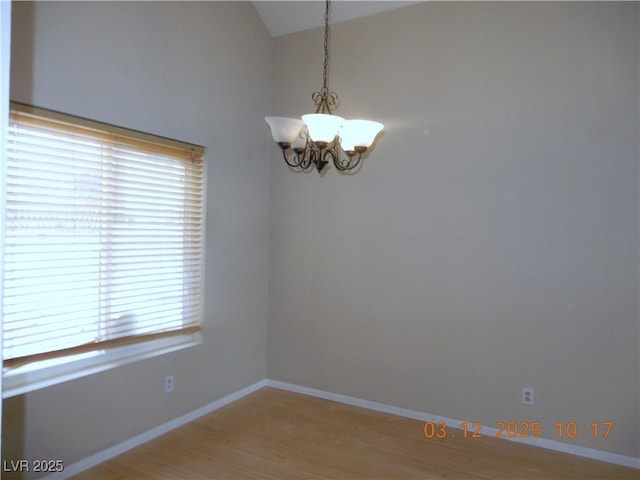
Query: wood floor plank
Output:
(274,434)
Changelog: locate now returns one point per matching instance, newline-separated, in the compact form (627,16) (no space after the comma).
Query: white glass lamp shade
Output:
(283,129)
(358,133)
(322,127)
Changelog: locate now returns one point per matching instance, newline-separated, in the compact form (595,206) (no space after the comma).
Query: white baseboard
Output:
(450,422)
(122,447)
(93,460)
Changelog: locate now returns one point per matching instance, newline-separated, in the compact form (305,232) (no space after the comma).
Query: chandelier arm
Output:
(307,155)
(286,159)
(331,154)
(351,162)
(300,159)
(318,158)
(307,159)
(341,163)
(312,158)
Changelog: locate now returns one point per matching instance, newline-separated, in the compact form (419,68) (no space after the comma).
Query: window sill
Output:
(46,373)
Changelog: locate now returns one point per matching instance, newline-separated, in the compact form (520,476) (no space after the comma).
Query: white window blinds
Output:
(103,237)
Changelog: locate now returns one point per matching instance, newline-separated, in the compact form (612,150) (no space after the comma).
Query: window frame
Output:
(39,373)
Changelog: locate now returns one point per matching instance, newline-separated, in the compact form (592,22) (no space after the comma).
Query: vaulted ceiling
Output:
(283,17)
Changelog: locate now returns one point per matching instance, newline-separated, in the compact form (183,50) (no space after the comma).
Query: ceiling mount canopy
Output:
(322,137)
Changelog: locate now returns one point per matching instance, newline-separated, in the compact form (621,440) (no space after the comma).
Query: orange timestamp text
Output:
(513,429)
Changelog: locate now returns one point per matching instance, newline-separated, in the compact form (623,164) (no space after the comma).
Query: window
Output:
(103,237)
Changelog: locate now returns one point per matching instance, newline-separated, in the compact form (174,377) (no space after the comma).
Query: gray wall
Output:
(490,241)
(200,72)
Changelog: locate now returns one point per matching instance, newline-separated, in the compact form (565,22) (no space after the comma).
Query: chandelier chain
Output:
(325,87)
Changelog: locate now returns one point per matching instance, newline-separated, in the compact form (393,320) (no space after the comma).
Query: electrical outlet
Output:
(528,396)
(168,383)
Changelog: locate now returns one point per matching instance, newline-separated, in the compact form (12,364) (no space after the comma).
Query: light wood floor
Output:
(276,434)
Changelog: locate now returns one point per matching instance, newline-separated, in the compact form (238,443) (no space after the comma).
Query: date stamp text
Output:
(513,429)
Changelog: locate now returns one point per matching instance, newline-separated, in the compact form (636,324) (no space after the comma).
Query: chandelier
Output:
(321,137)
